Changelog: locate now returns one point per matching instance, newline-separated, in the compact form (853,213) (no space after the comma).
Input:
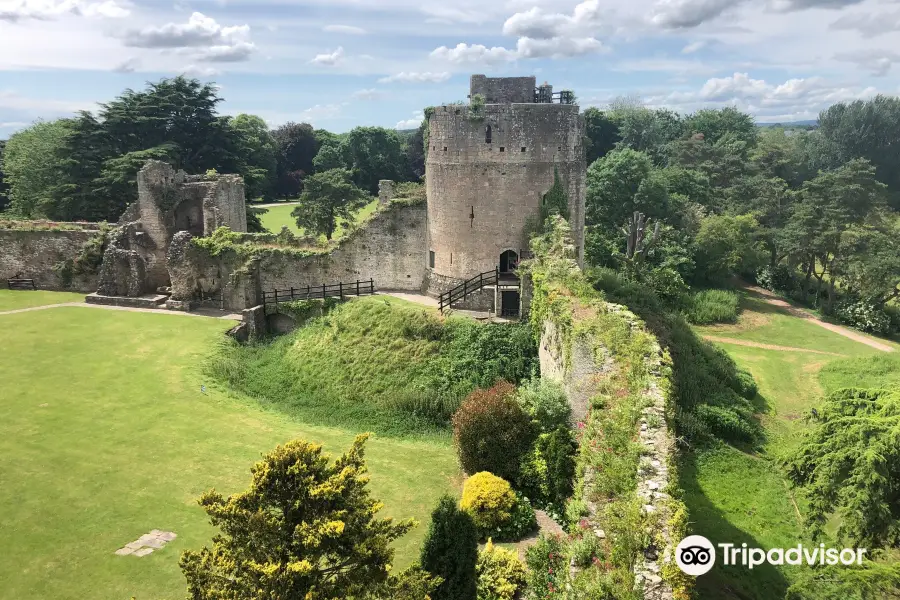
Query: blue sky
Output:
(342,63)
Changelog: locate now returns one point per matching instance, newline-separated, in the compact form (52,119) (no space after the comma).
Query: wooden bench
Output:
(21,284)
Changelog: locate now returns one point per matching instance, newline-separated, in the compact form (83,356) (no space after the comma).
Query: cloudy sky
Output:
(342,63)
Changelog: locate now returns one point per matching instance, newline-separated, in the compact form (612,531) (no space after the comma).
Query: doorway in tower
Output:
(509,260)
(509,303)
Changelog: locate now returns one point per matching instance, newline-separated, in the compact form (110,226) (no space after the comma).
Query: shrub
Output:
(489,499)
(492,432)
(724,423)
(864,316)
(450,551)
(546,403)
(522,521)
(501,575)
(547,472)
(707,307)
(747,387)
(547,567)
(777,279)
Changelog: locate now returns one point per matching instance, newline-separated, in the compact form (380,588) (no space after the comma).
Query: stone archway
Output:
(509,261)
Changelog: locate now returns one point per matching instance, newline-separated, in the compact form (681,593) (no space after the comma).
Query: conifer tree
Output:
(450,551)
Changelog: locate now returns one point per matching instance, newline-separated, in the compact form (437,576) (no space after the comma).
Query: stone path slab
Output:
(147,543)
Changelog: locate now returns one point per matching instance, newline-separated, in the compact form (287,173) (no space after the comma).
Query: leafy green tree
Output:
(331,155)
(643,129)
(828,207)
(326,197)
(450,551)
(255,154)
(4,188)
(726,246)
(868,129)
(306,528)
(375,153)
(601,133)
(556,200)
(715,123)
(173,120)
(31,167)
(621,183)
(415,152)
(296,147)
(784,156)
(850,464)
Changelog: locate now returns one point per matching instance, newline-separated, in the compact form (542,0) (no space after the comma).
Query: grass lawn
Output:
(279,216)
(105,434)
(15,299)
(737,497)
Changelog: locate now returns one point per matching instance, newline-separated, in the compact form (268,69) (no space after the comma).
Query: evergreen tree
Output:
(306,528)
(450,551)
(326,197)
(556,200)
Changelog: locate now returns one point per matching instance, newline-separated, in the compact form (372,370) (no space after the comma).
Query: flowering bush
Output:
(501,575)
(547,568)
(864,316)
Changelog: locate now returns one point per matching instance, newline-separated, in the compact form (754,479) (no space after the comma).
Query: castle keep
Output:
(487,170)
(489,165)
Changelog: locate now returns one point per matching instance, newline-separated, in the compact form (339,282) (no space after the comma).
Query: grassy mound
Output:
(377,364)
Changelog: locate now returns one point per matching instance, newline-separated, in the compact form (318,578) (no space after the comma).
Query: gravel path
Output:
(208,313)
(771,298)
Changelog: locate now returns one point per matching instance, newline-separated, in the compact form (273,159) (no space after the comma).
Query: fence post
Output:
(371,286)
(307,292)
(341,289)
(292,292)
(357,287)
(323,292)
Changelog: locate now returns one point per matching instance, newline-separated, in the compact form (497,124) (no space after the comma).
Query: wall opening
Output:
(509,260)
(502,149)
(189,216)
(523,149)
(509,303)
(487,135)
(431,259)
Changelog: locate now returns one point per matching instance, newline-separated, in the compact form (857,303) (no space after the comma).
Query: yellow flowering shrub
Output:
(501,575)
(489,499)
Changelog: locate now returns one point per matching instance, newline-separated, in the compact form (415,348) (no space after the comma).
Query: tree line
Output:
(85,167)
(693,200)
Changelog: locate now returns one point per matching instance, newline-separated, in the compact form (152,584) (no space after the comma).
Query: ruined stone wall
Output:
(389,249)
(481,195)
(33,254)
(503,90)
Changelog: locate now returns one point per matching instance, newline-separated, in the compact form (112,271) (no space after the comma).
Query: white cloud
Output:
(200,30)
(439,13)
(557,47)
(237,52)
(129,65)
(412,123)
(869,23)
(51,9)
(694,47)
(686,14)
(318,112)
(801,98)
(201,71)
(414,77)
(584,21)
(367,94)
(329,59)
(348,29)
(877,62)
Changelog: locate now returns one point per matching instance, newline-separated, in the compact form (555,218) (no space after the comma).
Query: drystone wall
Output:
(34,254)
(582,347)
(388,249)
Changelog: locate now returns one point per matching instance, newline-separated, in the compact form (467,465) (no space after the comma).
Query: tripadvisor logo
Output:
(696,555)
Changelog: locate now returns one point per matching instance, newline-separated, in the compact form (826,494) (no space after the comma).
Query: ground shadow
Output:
(764,582)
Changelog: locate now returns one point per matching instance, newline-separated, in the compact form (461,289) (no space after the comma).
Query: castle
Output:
(488,168)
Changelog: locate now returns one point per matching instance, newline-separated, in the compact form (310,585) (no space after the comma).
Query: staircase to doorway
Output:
(504,282)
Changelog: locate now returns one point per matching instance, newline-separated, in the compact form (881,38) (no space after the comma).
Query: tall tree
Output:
(255,155)
(601,133)
(305,528)
(415,152)
(622,183)
(327,197)
(644,129)
(297,145)
(868,129)
(31,167)
(4,187)
(450,551)
(714,123)
(375,153)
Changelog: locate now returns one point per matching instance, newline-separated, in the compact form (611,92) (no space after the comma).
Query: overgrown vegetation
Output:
(377,364)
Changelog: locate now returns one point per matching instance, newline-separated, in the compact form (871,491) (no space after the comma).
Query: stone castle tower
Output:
(486,175)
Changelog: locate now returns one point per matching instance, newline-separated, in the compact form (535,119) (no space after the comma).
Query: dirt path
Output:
(417,298)
(208,313)
(773,299)
(271,204)
(725,340)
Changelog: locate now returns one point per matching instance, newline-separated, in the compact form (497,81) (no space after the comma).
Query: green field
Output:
(13,300)
(277,217)
(739,497)
(106,434)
